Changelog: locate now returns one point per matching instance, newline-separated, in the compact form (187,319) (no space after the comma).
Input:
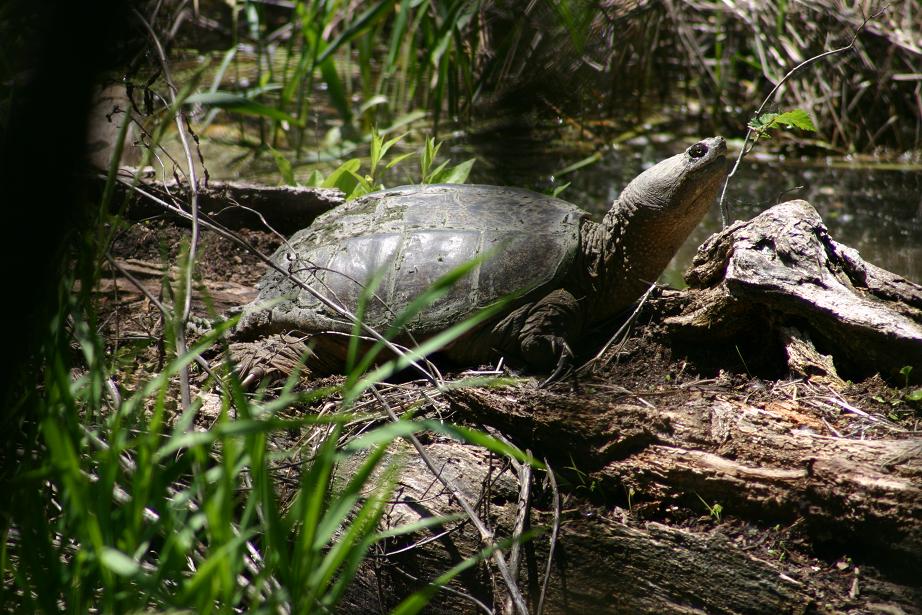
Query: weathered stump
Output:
(782,271)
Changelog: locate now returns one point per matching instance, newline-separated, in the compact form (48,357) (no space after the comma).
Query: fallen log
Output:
(765,462)
(860,500)
(238,204)
(781,271)
(759,464)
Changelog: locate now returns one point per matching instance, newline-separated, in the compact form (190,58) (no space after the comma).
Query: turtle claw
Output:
(564,367)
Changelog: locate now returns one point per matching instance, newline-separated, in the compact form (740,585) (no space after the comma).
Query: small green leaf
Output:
(580,164)
(762,122)
(915,395)
(558,189)
(363,185)
(454,175)
(284,166)
(434,177)
(398,159)
(797,118)
(118,562)
(315,179)
(343,177)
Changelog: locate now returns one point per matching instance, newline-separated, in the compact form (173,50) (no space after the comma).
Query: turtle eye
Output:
(697,150)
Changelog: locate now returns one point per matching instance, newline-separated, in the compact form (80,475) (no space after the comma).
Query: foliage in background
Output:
(374,63)
(311,81)
(126,502)
(348,177)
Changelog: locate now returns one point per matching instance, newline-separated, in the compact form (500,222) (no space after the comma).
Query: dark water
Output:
(871,207)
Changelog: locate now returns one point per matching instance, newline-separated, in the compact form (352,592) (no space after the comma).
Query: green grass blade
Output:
(241,104)
(439,289)
(397,31)
(338,511)
(417,601)
(431,345)
(453,175)
(350,548)
(355,28)
(309,508)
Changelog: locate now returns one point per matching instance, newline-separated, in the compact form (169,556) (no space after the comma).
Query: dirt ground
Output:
(648,369)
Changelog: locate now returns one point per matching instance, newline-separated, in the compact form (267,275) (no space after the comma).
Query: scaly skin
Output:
(620,257)
(584,274)
(643,230)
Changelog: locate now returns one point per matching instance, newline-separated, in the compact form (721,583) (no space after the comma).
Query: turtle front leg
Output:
(551,325)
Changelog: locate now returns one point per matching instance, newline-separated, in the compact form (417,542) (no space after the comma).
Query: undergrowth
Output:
(125,500)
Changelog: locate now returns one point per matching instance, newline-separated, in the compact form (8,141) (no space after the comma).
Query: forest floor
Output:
(648,370)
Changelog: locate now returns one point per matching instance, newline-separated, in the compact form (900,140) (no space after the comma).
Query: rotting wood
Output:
(240,204)
(222,295)
(763,463)
(612,562)
(782,269)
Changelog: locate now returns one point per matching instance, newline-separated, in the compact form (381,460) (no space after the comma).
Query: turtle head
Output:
(681,188)
(653,217)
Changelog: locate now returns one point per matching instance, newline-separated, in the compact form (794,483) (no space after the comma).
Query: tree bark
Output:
(783,269)
(858,499)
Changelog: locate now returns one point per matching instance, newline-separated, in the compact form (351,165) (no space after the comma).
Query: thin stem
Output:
(724,209)
(181,121)
(486,535)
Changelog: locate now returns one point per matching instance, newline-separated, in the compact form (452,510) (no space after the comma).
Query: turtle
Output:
(566,273)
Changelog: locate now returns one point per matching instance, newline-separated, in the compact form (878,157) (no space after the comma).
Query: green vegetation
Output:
(904,403)
(348,177)
(766,123)
(135,503)
(125,499)
(128,500)
(715,510)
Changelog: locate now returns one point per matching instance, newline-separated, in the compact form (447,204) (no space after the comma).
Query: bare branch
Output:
(724,208)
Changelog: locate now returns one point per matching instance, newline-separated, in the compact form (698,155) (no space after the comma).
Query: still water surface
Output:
(873,208)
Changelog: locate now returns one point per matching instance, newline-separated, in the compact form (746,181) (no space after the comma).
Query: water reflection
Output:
(876,211)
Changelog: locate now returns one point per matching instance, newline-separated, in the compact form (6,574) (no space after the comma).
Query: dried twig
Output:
(621,331)
(524,472)
(181,125)
(724,208)
(555,528)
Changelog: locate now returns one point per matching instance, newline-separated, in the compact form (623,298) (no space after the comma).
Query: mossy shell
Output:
(409,237)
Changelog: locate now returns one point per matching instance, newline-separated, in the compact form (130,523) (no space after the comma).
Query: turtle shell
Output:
(408,237)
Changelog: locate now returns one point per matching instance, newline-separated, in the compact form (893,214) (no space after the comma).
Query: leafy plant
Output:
(714,510)
(348,177)
(914,395)
(129,508)
(442,174)
(123,504)
(765,124)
